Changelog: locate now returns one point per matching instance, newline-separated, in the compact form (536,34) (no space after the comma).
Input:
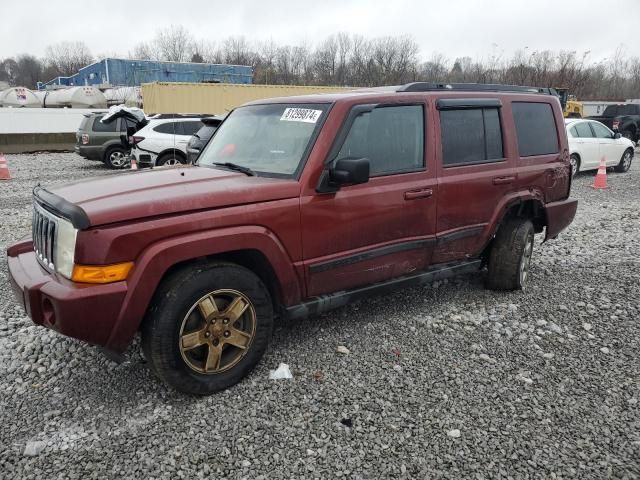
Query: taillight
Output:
(85,139)
(135,140)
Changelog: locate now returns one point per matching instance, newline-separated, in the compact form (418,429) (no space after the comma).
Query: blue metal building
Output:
(132,73)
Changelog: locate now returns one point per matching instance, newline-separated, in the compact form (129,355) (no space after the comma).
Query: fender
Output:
(152,264)
(501,209)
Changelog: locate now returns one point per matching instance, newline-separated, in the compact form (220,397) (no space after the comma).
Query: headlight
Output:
(65,248)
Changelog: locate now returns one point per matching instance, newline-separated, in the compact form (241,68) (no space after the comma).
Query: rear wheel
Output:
(625,161)
(116,158)
(510,256)
(171,158)
(574,160)
(208,327)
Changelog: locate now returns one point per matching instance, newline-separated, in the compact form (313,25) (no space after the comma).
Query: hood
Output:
(164,191)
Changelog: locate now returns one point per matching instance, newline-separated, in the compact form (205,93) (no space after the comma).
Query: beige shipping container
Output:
(216,98)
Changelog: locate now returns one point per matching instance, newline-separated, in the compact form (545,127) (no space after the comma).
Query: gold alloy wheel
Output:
(217,331)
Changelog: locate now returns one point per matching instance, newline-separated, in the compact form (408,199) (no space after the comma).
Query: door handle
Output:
(414,194)
(503,180)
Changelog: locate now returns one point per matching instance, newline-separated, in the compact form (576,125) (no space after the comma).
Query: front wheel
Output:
(625,162)
(208,327)
(510,257)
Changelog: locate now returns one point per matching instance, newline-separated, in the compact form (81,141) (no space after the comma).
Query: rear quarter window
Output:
(535,128)
(98,126)
(171,128)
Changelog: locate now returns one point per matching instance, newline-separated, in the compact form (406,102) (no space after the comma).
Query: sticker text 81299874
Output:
(306,115)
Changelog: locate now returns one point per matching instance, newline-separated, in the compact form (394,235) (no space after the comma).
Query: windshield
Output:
(268,139)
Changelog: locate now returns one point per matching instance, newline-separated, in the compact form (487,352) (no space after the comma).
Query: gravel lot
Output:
(448,381)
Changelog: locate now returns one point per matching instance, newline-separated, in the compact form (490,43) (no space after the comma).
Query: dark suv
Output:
(202,137)
(296,206)
(100,141)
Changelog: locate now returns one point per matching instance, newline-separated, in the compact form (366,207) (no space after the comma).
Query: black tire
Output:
(116,158)
(625,161)
(575,164)
(170,158)
(173,306)
(510,254)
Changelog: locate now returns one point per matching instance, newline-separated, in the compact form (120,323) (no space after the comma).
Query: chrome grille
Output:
(44,230)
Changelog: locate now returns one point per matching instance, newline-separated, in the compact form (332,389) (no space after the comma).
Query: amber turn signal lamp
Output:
(101,273)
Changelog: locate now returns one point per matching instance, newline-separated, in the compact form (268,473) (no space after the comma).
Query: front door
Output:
(381,229)
(607,145)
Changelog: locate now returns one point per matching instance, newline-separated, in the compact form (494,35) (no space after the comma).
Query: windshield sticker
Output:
(306,115)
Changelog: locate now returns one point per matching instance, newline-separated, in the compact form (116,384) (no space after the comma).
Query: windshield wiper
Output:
(236,167)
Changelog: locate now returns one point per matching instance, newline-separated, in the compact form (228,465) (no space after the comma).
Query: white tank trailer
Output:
(19,97)
(74,97)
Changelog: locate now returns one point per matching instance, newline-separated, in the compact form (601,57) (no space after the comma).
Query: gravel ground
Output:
(448,381)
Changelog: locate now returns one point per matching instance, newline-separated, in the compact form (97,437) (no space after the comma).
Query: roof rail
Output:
(473,87)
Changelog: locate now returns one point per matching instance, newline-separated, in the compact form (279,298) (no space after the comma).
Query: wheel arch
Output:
(252,247)
(174,151)
(530,207)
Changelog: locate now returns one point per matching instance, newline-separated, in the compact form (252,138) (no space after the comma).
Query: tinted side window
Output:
(573,132)
(583,130)
(189,128)
(601,130)
(98,126)
(172,128)
(470,136)
(392,138)
(535,128)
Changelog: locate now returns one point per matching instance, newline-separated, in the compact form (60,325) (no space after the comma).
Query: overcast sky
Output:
(476,28)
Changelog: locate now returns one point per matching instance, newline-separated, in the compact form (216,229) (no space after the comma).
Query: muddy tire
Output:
(510,255)
(575,164)
(207,327)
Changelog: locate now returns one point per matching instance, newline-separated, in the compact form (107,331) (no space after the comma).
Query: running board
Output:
(325,303)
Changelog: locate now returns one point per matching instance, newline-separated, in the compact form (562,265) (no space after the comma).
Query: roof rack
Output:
(473,87)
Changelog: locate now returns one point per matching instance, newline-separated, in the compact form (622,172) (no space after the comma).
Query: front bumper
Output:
(82,311)
(559,216)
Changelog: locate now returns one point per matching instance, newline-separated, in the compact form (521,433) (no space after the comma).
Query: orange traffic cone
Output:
(4,169)
(134,165)
(601,176)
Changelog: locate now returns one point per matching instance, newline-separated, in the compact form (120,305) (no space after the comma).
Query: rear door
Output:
(588,145)
(103,132)
(475,172)
(381,229)
(543,150)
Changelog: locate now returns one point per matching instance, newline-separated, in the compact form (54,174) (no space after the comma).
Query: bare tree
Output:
(175,43)
(66,58)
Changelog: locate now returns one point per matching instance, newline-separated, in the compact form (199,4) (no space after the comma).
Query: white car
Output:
(163,141)
(589,141)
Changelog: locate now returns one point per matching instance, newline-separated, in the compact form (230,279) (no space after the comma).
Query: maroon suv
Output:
(296,206)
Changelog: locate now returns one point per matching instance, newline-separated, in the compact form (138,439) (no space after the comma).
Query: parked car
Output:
(96,140)
(202,137)
(624,118)
(589,141)
(163,141)
(296,206)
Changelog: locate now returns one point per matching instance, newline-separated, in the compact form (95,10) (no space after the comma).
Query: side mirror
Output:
(616,135)
(350,171)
